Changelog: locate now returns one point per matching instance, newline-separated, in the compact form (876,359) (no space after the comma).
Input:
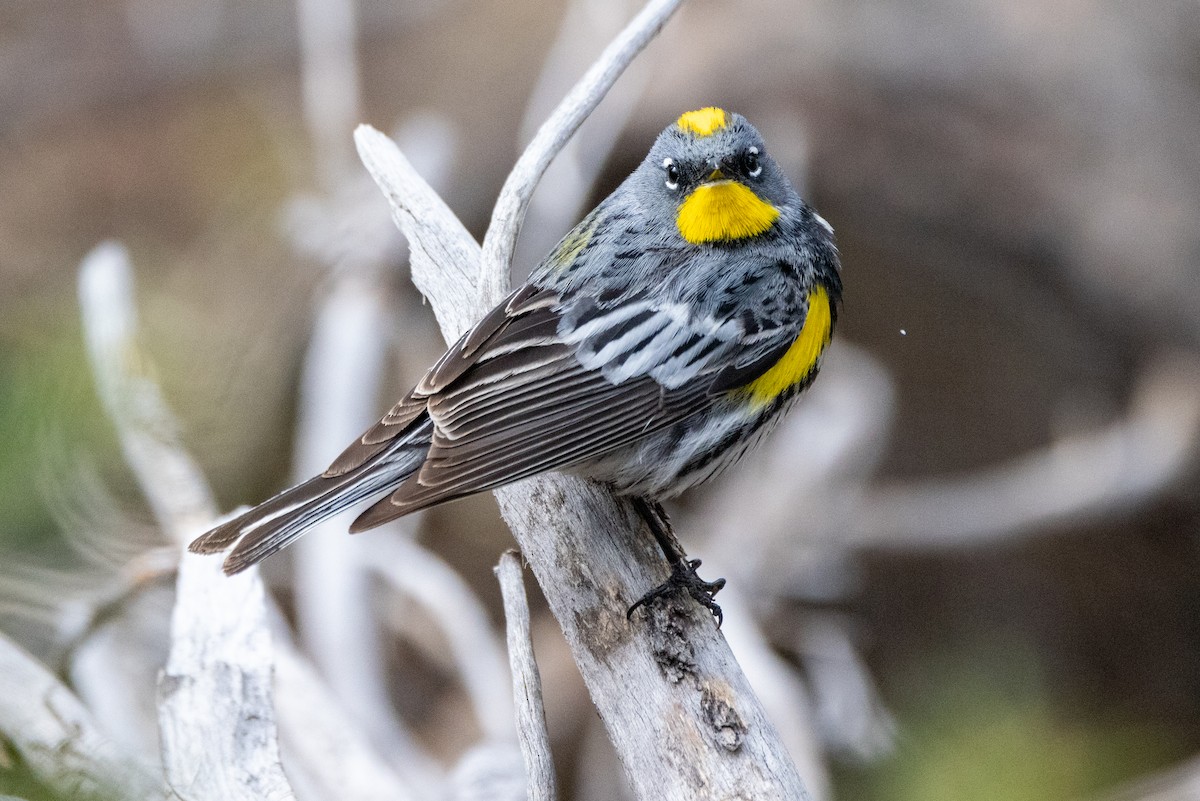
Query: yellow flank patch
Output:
(723,211)
(704,121)
(801,357)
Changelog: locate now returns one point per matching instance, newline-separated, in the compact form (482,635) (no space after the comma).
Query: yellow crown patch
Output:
(703,122)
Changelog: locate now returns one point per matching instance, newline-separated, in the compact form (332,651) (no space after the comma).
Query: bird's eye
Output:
(672,174)
(752,164)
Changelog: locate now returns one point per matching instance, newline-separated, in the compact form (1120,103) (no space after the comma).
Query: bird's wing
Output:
(409,411)
(545,382)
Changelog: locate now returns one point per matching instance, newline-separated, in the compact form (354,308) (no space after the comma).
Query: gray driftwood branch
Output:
(216,717)
(1094,474)
(501,238)
(148,432)
(57,738)
(219,673)
(217,720)
(679,710)
(526,682)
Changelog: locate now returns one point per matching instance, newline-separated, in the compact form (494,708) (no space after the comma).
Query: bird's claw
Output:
(684,578)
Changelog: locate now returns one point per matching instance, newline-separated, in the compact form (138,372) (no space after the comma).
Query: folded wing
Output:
(556,383)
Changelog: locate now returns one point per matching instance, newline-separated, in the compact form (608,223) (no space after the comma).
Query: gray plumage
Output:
(623,358)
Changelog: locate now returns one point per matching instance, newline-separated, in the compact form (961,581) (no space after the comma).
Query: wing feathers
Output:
(541,383)
(445,477)
(395,423)
(555,387)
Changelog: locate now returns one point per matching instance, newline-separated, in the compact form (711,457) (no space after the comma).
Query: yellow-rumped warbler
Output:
(661,338)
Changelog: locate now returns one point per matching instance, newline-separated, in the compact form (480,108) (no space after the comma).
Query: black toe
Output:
(684,578)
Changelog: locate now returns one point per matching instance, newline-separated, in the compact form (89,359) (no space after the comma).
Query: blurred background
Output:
(976,548)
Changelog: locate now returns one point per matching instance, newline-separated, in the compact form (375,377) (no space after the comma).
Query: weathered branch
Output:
(501,237)
(526,682)
(443,257)
(329,82)
(58,739)
(215,706)
(780,689)
(342,372)
(680,712)
(218,677)
(567,183)
(216,716)
(426,579)
(1088,475)
(149,434)
(338,399)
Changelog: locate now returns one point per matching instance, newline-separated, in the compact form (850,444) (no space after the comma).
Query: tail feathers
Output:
(228,533)
(278,522)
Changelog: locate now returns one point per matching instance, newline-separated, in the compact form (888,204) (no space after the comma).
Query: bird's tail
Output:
(276,523)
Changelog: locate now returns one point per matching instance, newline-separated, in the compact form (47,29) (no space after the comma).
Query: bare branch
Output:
(848,709)
(1086,475)
(526,682)
(215,707)
(443,256)
(317,737)
(501,237)
(115,664)
(338,399)
(489,771)
(218,678)
(422,576)
(216,716)
(779,688)
(329,81)
(666,685)
(567,182)
(174,486)
(57,737)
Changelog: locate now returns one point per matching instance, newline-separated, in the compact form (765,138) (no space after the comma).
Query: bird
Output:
(662,338)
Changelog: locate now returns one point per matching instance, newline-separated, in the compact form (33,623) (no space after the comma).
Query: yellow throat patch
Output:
(704,121)
(723,211)
(798,363)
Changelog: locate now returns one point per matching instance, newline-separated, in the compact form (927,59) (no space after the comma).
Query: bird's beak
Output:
(716,174)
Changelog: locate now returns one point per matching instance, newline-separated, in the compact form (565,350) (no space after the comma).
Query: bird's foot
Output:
(685,579)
